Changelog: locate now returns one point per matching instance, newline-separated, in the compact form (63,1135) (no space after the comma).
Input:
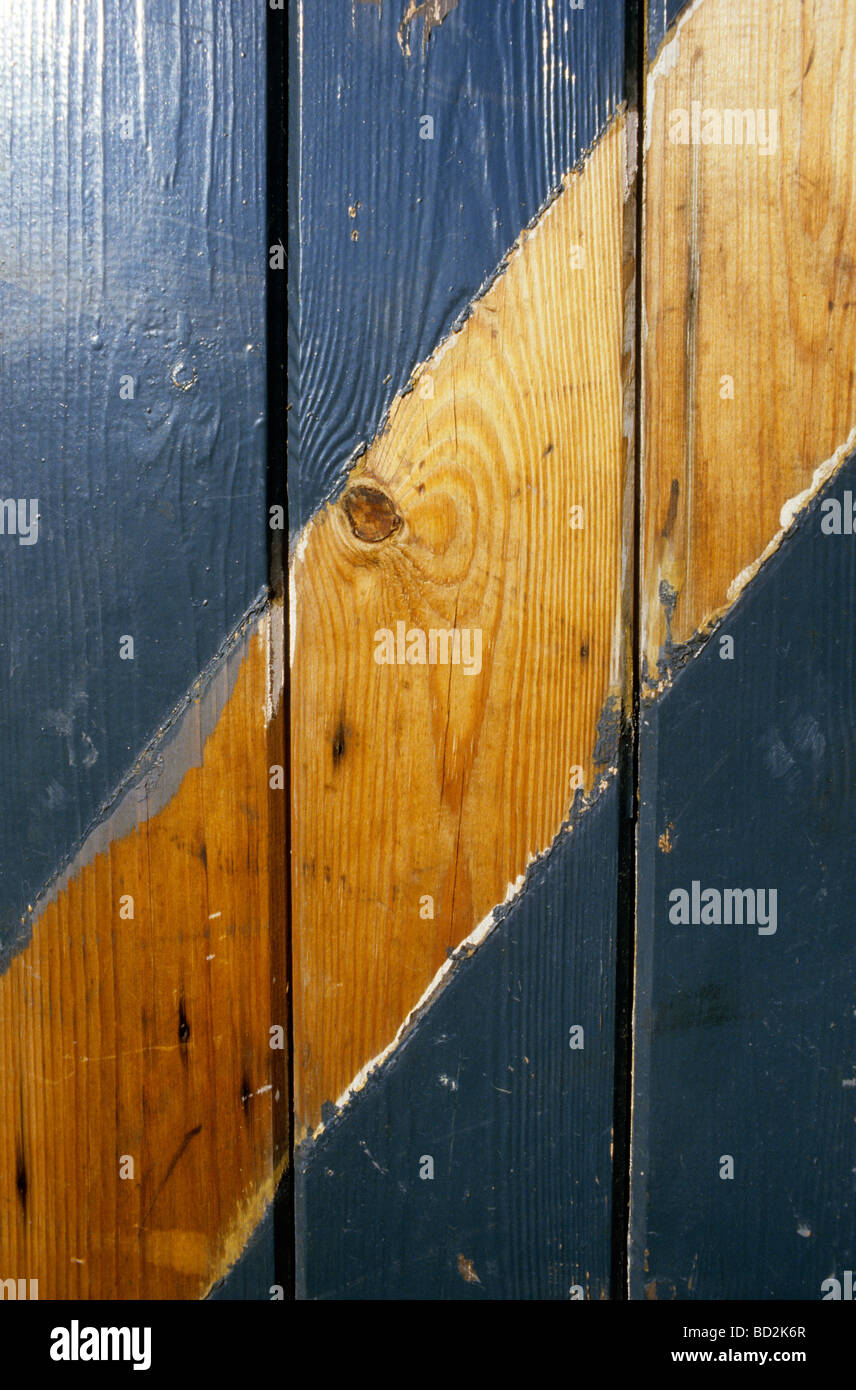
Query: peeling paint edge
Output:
(665,62)
(790,514)
(791,511)
(152,781)
(462,952)
(251,1212)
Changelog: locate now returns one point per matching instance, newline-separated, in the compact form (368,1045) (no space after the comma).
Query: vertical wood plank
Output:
(141,846)
(491,499)
(742,1149)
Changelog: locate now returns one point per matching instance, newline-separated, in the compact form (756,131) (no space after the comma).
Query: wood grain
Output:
(414,782)
(750,273)
(149,1036)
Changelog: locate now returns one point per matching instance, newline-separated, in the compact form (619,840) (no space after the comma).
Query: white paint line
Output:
(791,510)
(274,644)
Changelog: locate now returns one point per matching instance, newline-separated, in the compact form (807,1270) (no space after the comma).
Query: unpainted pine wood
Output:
(492,501)
(150,1037)
(749,295)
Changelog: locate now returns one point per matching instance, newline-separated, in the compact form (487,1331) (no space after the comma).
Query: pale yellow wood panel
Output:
(750,279)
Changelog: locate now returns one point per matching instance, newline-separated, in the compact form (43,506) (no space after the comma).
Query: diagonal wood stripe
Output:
(421,791)
(750,278)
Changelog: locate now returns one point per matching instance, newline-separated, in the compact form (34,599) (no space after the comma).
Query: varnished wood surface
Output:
(149,1037)
(749,274)
(498,496)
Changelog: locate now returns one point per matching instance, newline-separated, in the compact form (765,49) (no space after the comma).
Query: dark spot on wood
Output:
(372,514)
(246,1091)
(548,450)
(183,1025)
(669,600)
(809,63)
(339,743)
(831,305)
(674,493)
(191,1134)
(21,1176)
(203,855)
(583,652)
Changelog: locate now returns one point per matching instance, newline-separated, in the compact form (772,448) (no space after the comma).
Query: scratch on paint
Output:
(370,1156)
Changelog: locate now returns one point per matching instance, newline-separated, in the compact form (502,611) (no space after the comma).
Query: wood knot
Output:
(371,513)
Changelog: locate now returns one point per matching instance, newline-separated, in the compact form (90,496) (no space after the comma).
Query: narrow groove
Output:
(635,30)
(277,52)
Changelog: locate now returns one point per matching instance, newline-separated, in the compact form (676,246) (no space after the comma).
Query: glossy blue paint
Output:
(134,253)
(745,1043)
(374,293)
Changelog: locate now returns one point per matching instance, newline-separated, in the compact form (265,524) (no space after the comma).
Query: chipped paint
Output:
(663,65)
(788,515)
(467,1270)
(431,12)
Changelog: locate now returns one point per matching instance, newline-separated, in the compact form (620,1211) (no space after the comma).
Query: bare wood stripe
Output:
(750,275)
(420,788)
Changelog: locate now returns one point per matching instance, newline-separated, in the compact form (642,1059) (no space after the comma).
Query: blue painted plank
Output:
(745,1042)
(134,243)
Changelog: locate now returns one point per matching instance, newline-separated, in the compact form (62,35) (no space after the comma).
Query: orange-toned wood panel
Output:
(146,1038)
(492,505)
